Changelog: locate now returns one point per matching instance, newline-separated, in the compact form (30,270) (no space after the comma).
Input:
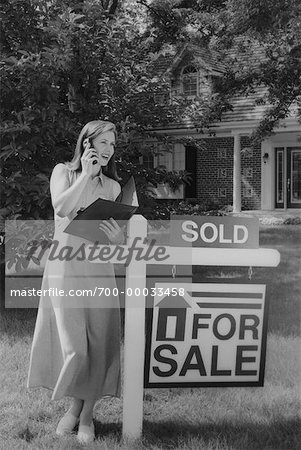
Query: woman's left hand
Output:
(113,231)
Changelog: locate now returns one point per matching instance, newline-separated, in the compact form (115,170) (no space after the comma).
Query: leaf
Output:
(11,263)
(24,262)
(36,260)
(18,266)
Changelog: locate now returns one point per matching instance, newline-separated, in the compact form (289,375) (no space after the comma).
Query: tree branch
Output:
(113,8)
(150,8)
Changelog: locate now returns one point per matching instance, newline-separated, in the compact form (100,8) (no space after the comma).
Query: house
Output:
(225,168)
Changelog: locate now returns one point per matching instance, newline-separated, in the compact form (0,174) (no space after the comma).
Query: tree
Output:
(66,62)
(267,29)
(72,62)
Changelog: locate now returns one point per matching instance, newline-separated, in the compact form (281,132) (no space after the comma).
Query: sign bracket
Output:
(174,271)
(250,272)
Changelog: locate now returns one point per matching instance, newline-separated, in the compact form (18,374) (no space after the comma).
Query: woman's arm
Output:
(116,189)
(64,197)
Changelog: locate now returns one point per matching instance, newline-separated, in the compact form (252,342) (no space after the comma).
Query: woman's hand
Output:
(113,231)
(89,155)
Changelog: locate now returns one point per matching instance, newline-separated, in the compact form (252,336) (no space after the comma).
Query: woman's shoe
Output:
(67,424)
(86,433)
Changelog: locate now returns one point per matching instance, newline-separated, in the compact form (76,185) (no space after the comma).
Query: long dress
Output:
(76,343)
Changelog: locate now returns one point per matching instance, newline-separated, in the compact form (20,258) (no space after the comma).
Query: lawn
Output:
(283,282)
(211,418)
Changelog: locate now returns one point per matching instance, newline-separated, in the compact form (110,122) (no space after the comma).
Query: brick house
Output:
(225,169)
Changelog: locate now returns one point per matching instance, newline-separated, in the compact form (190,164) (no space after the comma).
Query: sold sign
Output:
(217,232)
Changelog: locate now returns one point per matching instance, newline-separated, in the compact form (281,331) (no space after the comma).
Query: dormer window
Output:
(190,81)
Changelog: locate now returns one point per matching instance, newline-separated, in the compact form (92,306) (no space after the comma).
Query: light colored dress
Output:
(76,344)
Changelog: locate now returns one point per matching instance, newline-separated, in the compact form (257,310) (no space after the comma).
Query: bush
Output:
(191,208)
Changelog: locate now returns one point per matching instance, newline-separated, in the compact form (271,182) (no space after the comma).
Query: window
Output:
(175,87)
(221,153)
(247,192)
(213,80)
(164,160)
(222,192)
(248,172)
(148,161)
(279,175)
(222,173)
(247,152)
(190,81)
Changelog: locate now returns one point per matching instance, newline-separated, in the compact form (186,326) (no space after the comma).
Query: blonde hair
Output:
(91,130)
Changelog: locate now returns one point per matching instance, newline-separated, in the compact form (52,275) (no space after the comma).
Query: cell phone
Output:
(87,143)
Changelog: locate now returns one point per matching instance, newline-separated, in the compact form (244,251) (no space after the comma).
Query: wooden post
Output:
(134,337)
(236,175)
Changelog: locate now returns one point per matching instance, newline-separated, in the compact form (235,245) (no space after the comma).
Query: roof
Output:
(209,59)
(248,107)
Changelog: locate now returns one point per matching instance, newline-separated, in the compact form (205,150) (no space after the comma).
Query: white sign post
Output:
(134,337)
(134,341)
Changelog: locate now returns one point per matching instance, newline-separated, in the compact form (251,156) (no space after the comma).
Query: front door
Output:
(288,177)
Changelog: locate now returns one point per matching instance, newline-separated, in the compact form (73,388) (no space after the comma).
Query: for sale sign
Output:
(206,335)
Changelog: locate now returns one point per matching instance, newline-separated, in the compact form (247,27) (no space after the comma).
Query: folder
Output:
(85,223)
(128,194)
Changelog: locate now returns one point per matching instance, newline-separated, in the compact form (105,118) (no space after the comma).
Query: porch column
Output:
(267,176)
(236,175)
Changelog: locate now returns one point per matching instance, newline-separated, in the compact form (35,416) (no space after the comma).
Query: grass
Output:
(210,419)
(233,418)
(283,282)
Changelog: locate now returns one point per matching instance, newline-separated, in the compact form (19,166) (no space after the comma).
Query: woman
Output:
(76,344)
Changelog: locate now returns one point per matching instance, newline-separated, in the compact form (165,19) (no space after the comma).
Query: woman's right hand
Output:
(87,159)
